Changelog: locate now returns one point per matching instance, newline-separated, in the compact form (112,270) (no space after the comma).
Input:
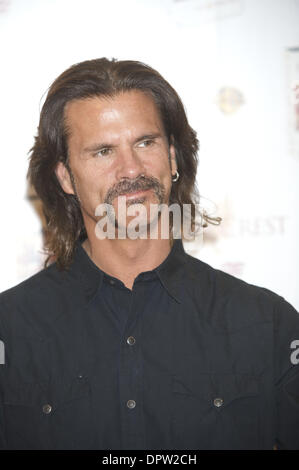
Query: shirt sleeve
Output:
(286,351)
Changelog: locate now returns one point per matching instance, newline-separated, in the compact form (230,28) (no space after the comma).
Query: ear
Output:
(64,178)
(173,162)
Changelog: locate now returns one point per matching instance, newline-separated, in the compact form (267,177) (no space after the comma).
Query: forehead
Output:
(128,108)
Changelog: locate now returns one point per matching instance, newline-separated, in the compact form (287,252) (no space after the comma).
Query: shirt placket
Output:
(131,374)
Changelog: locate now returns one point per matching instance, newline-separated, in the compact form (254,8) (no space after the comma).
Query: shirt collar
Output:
(169,272)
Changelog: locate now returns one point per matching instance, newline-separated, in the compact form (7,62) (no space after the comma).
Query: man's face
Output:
(112,142)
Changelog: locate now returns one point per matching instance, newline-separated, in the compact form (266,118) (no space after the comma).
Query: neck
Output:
(125,259)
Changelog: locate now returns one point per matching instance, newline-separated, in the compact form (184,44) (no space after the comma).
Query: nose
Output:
(130,164)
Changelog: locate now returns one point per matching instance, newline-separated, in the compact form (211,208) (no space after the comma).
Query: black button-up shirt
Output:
(190,358)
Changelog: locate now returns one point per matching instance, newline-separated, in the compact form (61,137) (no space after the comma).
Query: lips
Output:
(134,194)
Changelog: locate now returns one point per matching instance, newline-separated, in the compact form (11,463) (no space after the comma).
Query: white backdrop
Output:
(233,62)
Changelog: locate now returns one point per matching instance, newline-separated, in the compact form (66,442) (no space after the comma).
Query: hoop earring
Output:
(175,177)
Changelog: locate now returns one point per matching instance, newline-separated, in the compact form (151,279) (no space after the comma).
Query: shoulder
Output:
(230,304)
(43,280)
(236,294)
(41,297)
(224,283)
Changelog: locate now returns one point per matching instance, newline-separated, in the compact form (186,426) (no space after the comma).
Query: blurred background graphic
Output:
(235,64)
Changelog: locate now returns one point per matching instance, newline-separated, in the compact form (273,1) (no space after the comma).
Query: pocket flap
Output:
(219,389)
(56,393)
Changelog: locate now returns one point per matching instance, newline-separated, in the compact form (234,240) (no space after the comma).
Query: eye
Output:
(146,143)
(103,152)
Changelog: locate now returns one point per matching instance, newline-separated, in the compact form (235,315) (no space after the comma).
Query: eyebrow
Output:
(102,145)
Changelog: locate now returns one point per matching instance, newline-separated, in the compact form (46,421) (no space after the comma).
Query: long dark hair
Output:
(64,221)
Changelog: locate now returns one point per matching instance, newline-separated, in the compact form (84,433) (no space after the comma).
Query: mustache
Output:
(128,186)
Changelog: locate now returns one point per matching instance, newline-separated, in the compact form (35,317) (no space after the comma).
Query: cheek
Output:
(161,167)
(166,176)
(91,186)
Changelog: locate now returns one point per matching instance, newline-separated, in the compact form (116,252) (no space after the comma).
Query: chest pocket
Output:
(56,415)
(215,411)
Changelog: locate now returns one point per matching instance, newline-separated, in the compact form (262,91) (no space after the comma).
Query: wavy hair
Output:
(102,77)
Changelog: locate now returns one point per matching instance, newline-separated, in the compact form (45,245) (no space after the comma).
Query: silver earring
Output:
(175,177)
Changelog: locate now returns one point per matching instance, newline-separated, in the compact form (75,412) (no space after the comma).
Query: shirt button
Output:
(47,409)
(218,402)
(131,404)
(112,282)
(131,340)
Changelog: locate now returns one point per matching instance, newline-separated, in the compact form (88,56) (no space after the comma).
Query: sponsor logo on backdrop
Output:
(233,226)
(292,55)
(235,230)
(229,100)
(255,226)
(203,11)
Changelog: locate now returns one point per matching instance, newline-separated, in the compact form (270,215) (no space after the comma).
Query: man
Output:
(124,342)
